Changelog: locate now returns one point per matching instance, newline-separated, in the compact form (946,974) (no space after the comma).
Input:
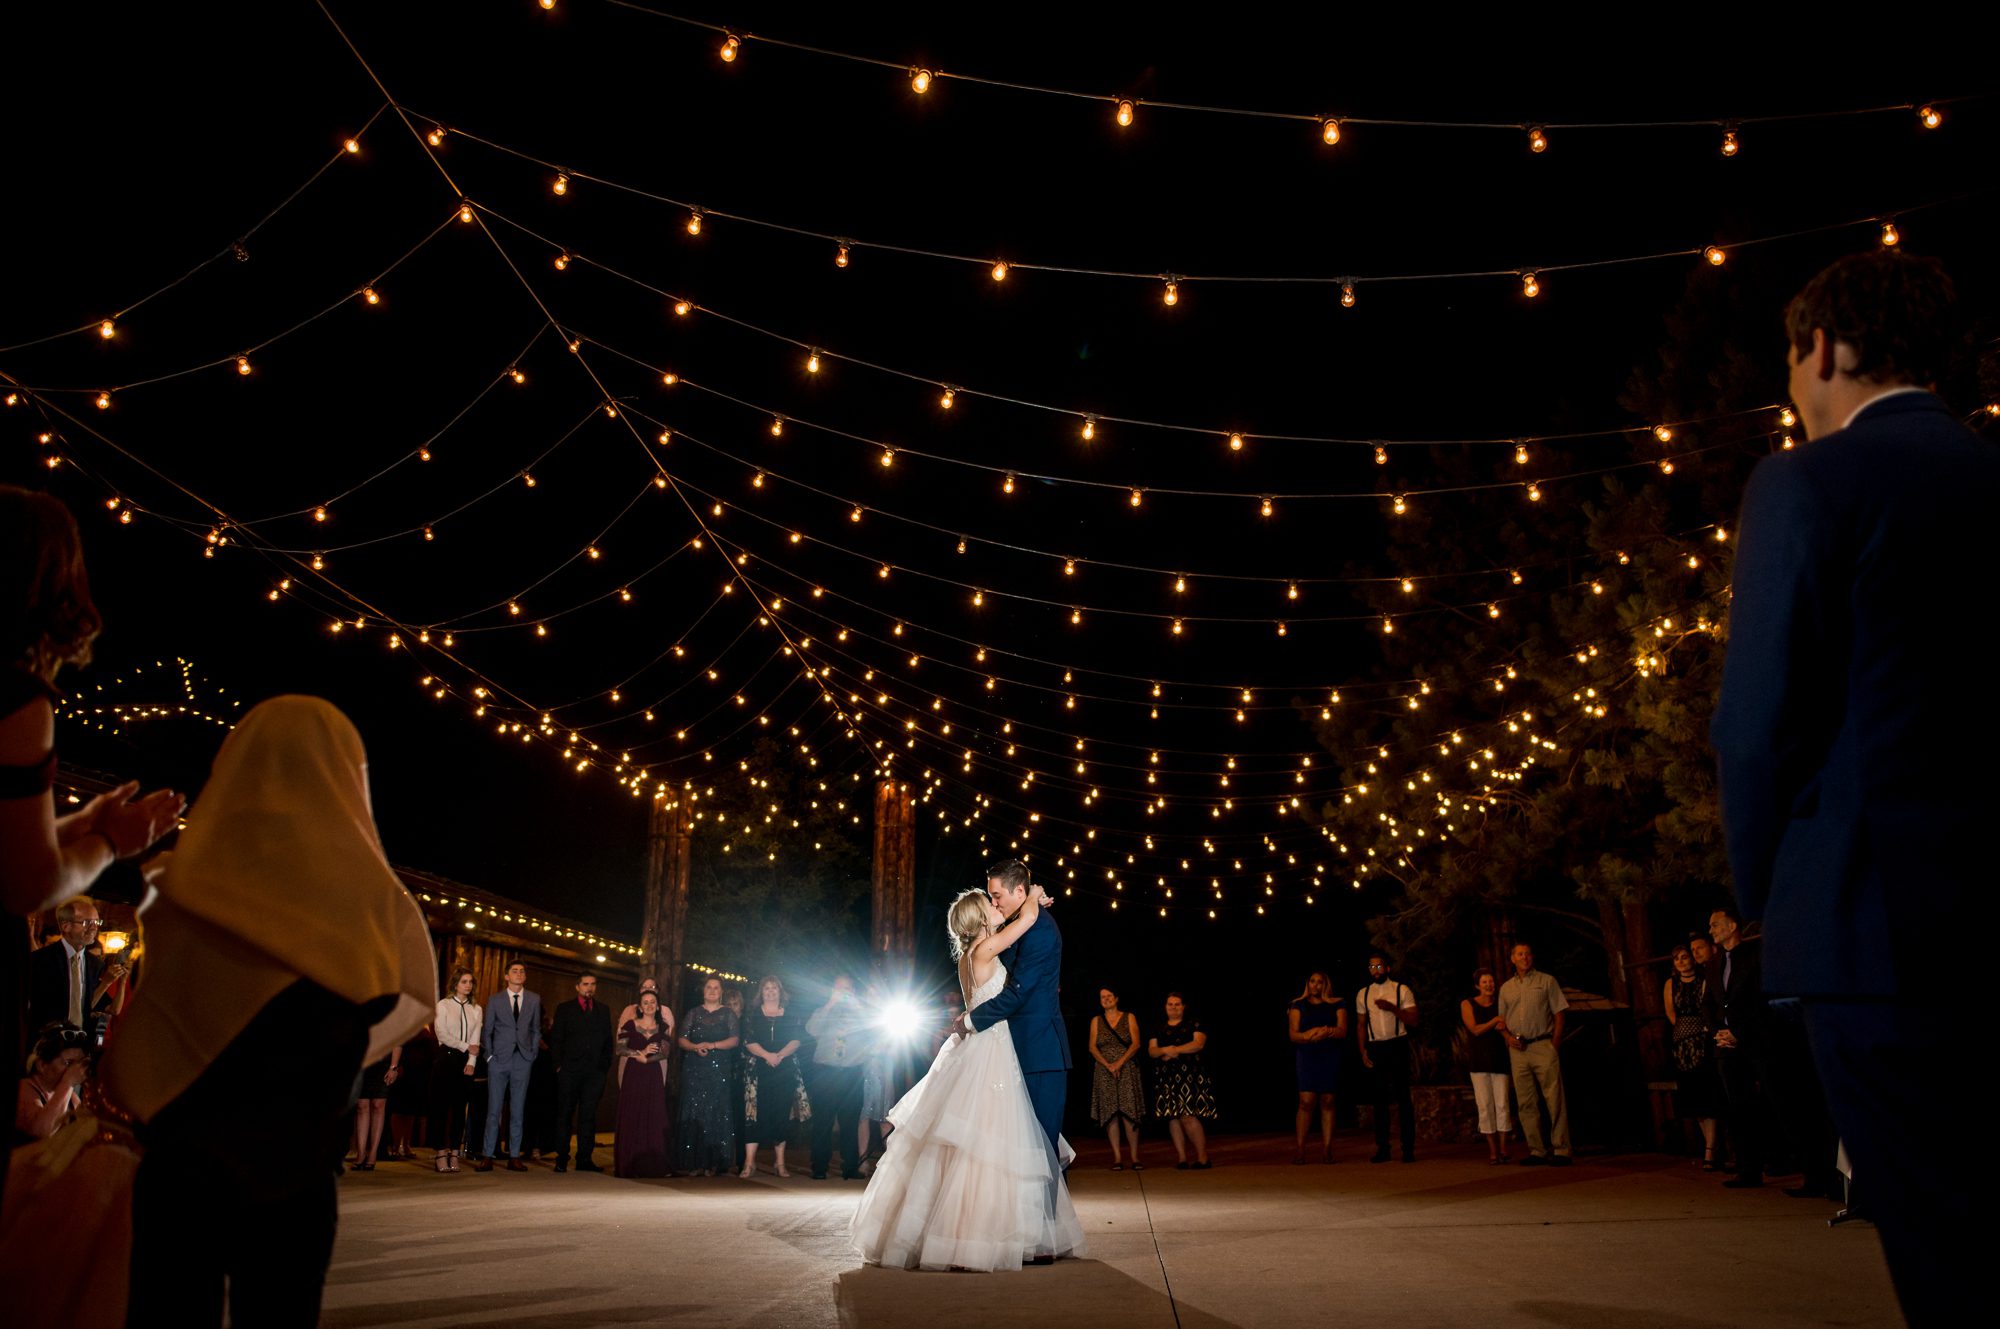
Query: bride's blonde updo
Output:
(966,921)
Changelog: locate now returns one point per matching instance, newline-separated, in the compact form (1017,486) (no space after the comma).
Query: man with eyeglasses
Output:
(64,978)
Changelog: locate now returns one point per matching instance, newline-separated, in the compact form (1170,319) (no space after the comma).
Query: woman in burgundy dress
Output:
(642,1093)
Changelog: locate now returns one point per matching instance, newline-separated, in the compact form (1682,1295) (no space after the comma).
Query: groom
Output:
(1028,1002)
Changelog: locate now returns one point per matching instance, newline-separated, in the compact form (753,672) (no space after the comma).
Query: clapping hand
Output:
(132,825)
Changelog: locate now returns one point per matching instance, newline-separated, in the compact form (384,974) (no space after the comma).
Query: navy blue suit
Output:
(1855,734)
(1029,1003)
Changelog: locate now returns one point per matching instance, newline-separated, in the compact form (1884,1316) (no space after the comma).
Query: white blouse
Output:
(458,1024)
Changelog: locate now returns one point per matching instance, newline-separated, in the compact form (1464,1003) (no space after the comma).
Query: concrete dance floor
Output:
(1633,1242)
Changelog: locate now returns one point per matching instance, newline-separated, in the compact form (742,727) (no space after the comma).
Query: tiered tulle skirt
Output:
(969,1180)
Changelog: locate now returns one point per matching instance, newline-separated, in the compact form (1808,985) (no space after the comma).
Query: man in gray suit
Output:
(513,1035)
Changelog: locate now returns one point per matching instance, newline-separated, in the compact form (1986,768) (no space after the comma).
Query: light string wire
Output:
(233,249)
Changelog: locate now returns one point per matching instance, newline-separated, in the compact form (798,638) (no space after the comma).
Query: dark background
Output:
(145,141)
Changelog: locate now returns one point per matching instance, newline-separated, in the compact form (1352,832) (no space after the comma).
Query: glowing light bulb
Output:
(561,186)
(682,308)
(1075,617)
(777,425)
(1180,586)
(730,47)
(319,514)
(242,364)
(1664,433)
(352,145)
(1329,131)
(1125,112)
(855,515)
(1388,625)
(1292,591)
(1381,456)
(1787,443)
(947,398)
(1731,145)
(1000,271)
(1531,285)
(1930,117)
(1177,627)
(1537,140)
(1534,493)
(888,456)
(1714,255)
(465,213)
(1264,507)
(1666,466)
(1172,295)
(1891,237)
(840,256)
(517,375)
(1137,498)
(1786,418)
(436,137)
(1069,567)
(812,362)
(1089,428)
(1492,610)
(1236,442)
(1515,576)
(107,329)
(1409,587)
(1401,505)
(427,534)
(694,223)
(1281,627)
(370,295)
(920,81)
(1347,295)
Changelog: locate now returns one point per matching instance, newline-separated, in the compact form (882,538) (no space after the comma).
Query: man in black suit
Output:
(64,977)
(1739,1018)
(1855,748)
(581,1046)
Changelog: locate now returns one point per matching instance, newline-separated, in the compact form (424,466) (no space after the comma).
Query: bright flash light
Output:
(901,1019)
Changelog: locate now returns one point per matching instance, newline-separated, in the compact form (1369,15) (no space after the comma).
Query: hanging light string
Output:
(1079,416)
(234,249)
(848,246)
(735,39)
(240,359)
(464,626)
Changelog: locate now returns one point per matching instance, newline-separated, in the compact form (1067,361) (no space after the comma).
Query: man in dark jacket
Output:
(581,1045)
(1855,749)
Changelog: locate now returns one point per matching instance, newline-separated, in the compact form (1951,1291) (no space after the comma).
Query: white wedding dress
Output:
(968,1180)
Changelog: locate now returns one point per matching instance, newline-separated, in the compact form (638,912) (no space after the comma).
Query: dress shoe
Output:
(516,1165)
(563,1167)
(1743,1183)
(482,1165)
(1560,1160)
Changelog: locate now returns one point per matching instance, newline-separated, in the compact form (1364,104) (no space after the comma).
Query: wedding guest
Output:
(1387,1011)
(240,1204)
(1703,951)
(48,1092)
(581,1044)
(632,1010)
(844,1037)
(512,1037)
(1183,1094)
(1117,1099)
(459,1022)
(1854,760)
(410,1093)
(1532,1007)
(641,1146)
(372,1106)
(707,1118)
(65,981)
(1317,1021)
(1486,1055)
(1697,1090)
(774,1092)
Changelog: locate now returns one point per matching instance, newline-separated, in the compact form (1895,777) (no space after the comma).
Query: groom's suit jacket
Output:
(1854,752)
(1029,1001)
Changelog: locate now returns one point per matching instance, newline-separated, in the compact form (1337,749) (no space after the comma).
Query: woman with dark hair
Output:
(1182,1092)
(708,1118)
(1117,1099)
(1317,1022)
(1486,1056)
(48,1094)
(455,1069)
(641,1149)
(774,1092)
(1698,1090)
(47,621)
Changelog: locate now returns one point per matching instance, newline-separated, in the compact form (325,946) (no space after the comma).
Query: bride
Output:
(969,1180)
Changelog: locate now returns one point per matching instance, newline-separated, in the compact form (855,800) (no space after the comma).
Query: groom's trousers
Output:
(1046,1091)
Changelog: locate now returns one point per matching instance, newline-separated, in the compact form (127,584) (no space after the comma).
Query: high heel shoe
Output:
(442,1160)
(454,1162)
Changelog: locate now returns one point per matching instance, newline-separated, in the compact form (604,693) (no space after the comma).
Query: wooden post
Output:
(895,876)
(668,838)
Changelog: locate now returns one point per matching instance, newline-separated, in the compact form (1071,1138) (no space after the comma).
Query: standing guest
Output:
(48,1092)
(411,1091)
(1317,1022)
(581,1045)
(1696,1087)
(372,1106)
(845,1040)
(640,1149)
(1740,1020)
(1532,1009)
(1117,1099)
(512,1037)
(708,1118)
(1702,950)
(1183,1095)
(1388,1011)
(64,978)
(774,1092)
(228,1203)
(47,621)
(1486,1052)
(631,1011)
(1854,767)
(458,1022)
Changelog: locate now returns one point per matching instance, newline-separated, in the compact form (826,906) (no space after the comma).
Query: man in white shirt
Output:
(1532,1007)
(1388,1011)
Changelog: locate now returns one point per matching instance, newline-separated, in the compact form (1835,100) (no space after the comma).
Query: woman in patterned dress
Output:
(1116,1096)
(1183,1095)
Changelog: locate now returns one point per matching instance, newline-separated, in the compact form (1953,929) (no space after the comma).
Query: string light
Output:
(103,401)
(1531,285)
(1347,295)
(1520,454)
(1089,428)
(1137,497)
(1264,507)
(465,213)
(920,81)
(1125,112)
(694,222)
(353,146)
(1329,131)
(1534,492)
(730,47)
(436,137)
(1172,295)
(1401,505)
(683,308)
(1236,442)
(812,362)
(1730,144)
(1381,456)
(1786,418)
(1714,255)
(107,330)
(777,426)
(840,256)
(1000,271)
(947,399)
(1006,487)
(1891,237)
(1664,433)
(561,186)
(1930,117)
(1537,140)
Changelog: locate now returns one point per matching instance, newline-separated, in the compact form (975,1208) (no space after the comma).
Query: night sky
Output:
(145,145)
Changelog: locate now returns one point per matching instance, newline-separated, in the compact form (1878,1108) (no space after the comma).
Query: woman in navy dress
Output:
(708,1109)
(1318,1021)
(642,1093)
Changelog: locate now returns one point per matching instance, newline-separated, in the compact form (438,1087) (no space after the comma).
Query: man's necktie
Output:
(76,989)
